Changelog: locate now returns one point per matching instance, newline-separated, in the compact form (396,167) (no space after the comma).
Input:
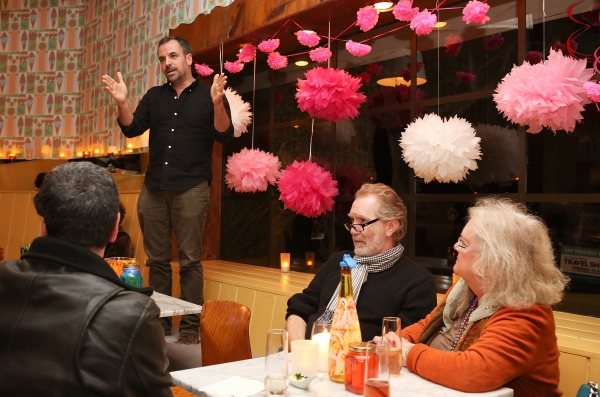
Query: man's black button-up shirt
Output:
(182,133)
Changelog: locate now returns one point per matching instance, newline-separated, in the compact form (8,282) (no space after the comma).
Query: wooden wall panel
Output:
(263,316)
(574,371)
(7,201)
(228,292)
(594,374)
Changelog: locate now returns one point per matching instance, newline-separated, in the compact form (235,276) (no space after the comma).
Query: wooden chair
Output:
(224,332)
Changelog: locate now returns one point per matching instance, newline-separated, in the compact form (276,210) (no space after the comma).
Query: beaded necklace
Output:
(464,323)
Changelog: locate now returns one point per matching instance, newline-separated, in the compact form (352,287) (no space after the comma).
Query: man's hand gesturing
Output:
(117,89)
(216,90)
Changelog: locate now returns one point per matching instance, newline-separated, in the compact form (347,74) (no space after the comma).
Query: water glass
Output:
(377,370)
(392,325)
(276,362)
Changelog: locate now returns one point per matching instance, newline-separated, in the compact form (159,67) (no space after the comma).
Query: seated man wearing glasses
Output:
(386,282)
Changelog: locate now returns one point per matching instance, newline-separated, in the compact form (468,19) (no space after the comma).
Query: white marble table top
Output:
(405,385)
(170,306)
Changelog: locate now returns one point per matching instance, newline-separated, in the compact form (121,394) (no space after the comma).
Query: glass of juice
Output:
(391,331)
(377,369)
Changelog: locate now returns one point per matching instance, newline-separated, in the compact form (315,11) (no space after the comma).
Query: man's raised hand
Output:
(117,89)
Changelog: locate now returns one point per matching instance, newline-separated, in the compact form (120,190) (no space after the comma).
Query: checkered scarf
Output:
(364,266)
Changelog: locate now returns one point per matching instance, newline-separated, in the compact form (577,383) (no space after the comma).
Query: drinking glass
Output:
(24,248)
(321,332)
(392,325)
(377,370)
(276,362)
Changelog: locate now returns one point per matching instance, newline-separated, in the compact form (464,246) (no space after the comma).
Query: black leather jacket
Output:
(70,327)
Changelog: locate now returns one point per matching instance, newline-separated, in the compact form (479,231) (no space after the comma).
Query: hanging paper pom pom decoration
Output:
(330,94)
(277,61)
(203,70)
(499,150)
(357,49)
(234,67)
(350,178)
(308,39)
(268,46)
(533,57)
(453,44)
(247,54)
(423,22)
(307,189)
(592,90)
(240,112)
(465,77)
(475,12)
(444,150)
(252,170)
(374,69)
(367,18)
(548,94)
(493,42)
(320,54)
(403,11)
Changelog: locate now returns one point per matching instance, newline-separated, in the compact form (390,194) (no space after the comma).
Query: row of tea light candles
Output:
(285,260)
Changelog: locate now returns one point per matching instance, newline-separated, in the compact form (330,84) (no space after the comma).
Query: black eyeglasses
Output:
(359,227)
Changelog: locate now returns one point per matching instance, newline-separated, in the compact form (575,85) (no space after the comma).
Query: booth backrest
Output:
(19,223)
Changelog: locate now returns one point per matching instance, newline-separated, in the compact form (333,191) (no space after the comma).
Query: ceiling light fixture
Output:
(440,25)
(306,31)
(301,63)
(384,6)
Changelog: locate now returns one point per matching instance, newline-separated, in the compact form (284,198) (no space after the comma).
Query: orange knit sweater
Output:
(516,349)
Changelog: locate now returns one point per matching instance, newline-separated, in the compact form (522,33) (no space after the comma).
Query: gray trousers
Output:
(159,212)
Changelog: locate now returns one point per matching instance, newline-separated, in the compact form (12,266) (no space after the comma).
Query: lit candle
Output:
(310,258)
(323,339)
(284,257)
(305,354)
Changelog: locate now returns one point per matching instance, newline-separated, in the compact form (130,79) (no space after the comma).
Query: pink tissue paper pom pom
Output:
(307,189)
(308,39)
(465,77)
(493,42)
(268,46)
(203,70)
(593,91)
(247,54)
(548,94)
(404,11)
(234,67)
(423,22)
(252,170)
(277,61)
(330,94)
(357,49)
(367,18)
(475,11)
(365,77)
(453,44)
(320,54)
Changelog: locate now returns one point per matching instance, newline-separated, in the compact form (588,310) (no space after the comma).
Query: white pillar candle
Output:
(284,257)
(323,339)
(305,356)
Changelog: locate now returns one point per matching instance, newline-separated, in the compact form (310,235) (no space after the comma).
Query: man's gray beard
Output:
(371,248)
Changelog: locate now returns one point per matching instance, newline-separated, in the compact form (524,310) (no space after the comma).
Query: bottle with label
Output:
(345,328)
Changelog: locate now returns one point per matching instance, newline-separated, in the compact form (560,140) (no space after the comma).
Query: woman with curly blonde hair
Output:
(495,326)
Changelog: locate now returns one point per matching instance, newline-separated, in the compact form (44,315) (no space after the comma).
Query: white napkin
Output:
(234,386)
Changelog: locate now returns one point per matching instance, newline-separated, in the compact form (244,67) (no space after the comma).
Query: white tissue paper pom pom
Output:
(444,150)
(241,115)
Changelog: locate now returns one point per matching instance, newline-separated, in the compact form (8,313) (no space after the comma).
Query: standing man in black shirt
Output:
(185,117)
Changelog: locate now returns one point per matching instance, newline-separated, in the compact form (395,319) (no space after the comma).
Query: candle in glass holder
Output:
(285,261)
(310,258)
(305,355)
(320,333)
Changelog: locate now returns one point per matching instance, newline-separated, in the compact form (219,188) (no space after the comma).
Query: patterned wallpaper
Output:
(53,53)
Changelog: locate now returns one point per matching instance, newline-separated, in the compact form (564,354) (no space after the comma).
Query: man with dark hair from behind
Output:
(122,246)
(69,325)
(39,179)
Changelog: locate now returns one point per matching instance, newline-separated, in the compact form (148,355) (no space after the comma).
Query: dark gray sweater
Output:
(405,290)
